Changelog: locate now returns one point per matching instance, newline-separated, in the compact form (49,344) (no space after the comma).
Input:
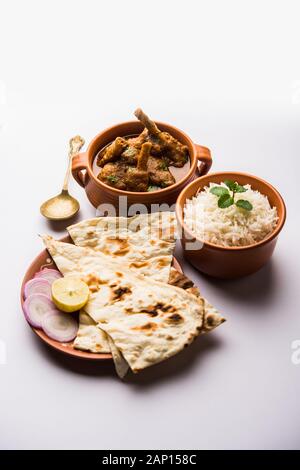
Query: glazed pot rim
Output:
(147,194)
(180,203)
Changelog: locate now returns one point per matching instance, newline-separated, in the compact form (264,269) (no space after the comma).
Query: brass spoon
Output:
(63,206)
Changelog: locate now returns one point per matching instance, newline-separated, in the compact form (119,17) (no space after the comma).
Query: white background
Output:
(227,73)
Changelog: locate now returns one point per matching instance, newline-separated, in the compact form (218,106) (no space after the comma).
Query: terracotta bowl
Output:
(100,193)
(232,262)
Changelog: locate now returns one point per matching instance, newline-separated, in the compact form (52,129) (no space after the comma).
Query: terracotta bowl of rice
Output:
(233,235)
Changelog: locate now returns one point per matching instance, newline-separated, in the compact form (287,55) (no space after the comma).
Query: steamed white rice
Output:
(232,226)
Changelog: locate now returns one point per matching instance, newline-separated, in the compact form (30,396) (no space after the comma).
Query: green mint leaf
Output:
(240,189)
(244,204)
(219,190)
(230,184)
(225,201)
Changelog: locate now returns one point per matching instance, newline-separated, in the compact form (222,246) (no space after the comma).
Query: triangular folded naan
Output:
(143,235)
(143,243)
(147,320)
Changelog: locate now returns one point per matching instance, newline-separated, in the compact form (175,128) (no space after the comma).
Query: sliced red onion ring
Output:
(49,274)
(60,326)
(35,307)
(37,286)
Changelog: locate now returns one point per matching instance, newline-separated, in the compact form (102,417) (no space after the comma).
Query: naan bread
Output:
(143,243)
(142,232)
(89,337)
(120,364)
(212,318)
(147,320)
(147,329)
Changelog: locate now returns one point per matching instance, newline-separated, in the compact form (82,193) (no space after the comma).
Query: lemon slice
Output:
(69,294)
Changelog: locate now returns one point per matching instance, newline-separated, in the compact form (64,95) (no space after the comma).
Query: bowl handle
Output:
(79,163)
(203,155)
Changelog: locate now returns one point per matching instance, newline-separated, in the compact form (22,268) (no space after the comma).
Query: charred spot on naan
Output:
(163,262)
(147,327)
(121,252)
(174,319)
(93,281)
(91,242)
(154,310)
(163,244)
(211,321)
(121,245)
(194,290)
(180,280)
(91,233)
(168,309)
(91,239)
(119,292)
(139,264)
(151,311)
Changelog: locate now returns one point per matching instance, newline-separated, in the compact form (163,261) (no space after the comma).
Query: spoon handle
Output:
(75,145)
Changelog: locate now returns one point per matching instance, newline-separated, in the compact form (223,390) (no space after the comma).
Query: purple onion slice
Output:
(37,286)
(35,307)
(60,326)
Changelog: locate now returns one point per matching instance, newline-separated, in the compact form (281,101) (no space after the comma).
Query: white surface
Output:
(228,74)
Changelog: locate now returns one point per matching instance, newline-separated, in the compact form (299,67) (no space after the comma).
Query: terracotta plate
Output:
(44,260)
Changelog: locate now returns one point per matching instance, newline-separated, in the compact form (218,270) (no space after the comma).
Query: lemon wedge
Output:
(69,294)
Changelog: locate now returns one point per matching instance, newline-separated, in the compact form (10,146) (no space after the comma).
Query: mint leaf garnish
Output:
(240,189)
(244,204)
(230,184)
(219,190)
(226,199)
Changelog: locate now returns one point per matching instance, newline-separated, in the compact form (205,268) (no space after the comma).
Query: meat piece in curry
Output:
(113,174)
(112,152)
(142,162)
(159,173)
(176,152)
(137,179)
(126,177)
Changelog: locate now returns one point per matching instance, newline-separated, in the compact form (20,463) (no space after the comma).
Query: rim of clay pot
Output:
(180,203)
(162,191)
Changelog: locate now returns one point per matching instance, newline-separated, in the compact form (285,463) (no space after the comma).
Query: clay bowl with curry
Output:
(144,161)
